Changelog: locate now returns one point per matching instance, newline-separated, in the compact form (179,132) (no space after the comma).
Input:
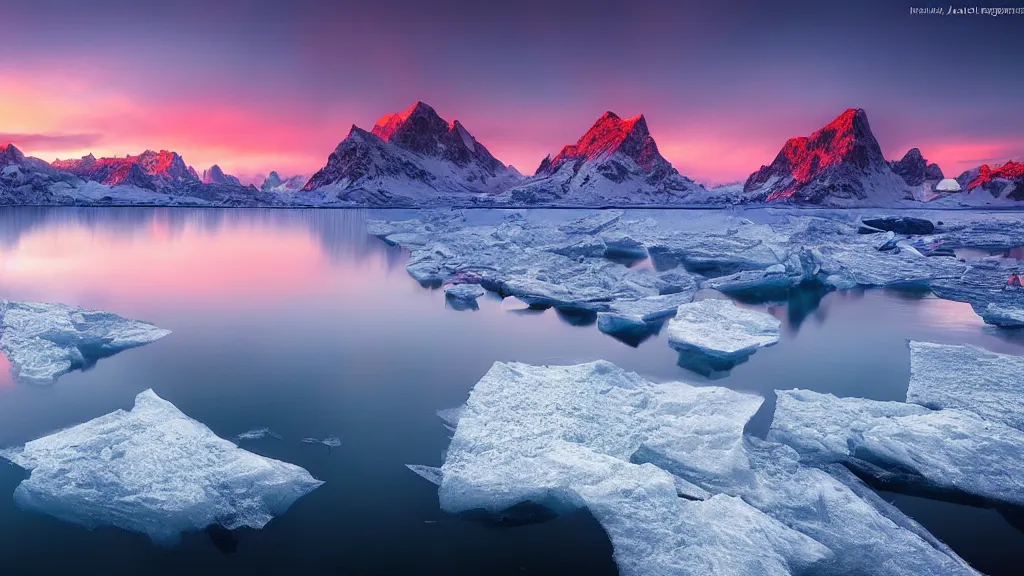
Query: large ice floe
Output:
(715,335)
(156,471)
(905,445)
(666,469)
(45,341)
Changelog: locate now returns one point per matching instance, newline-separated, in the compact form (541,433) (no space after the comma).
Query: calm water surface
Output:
(297,320)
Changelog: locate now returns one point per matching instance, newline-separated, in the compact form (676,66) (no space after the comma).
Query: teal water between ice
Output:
(298,321)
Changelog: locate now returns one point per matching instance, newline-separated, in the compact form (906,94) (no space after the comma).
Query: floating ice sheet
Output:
(46,341)
(969,379)
(721,330)
(156,471)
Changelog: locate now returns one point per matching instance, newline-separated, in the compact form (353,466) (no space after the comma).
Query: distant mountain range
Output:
(416,158)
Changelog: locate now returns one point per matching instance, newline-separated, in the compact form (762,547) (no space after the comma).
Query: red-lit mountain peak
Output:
(608,135)
(844,142)
(1011,170)
(9,154)
(420,115)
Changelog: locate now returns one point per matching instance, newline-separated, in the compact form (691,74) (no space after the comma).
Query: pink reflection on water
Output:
(235,262)
(6,380)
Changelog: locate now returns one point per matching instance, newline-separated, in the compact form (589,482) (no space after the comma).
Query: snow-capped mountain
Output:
(410,158)
(915,170)
(162,171)
(616,162)
(1004,181)
(217,176)
(27,180)
(839,165)
(274,183)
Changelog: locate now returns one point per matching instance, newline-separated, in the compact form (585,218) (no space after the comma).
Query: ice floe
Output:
(667,471)
(969,379)
(720,333)
(938,450)
(156,471)
(330,441)
(258,434)
(45,341)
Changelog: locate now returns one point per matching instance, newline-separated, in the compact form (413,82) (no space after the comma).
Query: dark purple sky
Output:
(256,86)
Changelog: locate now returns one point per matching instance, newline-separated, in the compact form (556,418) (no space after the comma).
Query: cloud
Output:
(50,141)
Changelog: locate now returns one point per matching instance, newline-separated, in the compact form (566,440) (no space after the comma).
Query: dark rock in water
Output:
(898,224)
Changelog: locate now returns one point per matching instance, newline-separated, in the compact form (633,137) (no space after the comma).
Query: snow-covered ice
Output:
(45,341)
(156,471)
(596,436)
(969,379)
(721,330)
(639,316)
(940,450)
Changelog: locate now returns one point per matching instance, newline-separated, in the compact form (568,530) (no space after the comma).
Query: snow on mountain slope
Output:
(410,158)
(274,183)
(839,165)
(616,162)
(217,176)
(157,171)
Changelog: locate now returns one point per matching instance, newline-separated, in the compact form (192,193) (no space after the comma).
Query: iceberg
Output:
(943,451)
(968,379)
(720,333)
(463,296)
(45,341)
(562,437)
(666,470)
(156,471)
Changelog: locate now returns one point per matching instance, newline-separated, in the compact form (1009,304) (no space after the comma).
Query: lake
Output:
(301,322)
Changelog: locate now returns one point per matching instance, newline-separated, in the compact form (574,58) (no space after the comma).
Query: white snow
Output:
(45,341)
(156,471)
(721,329)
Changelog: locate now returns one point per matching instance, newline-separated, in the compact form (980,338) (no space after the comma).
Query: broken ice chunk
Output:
(720,333)
(330,441)
(593,223)
(640,316)
(156,471)
(431,474)
(968,379)
(463,296)
(771,283)
(258,434)
(1003,315)
(943,451)
(46,341)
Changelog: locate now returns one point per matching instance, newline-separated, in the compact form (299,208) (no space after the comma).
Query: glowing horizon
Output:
(267,89)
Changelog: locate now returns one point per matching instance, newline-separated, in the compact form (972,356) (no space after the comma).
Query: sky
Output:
(259,86)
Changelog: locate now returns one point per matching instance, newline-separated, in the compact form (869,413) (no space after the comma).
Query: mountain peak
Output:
(845,143)
(417,116)
(914,169)
(215,175)
(608,135)
(9,154)
(1011,170)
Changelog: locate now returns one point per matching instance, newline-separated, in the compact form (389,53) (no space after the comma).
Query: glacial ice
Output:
(258,434)
(639,316)
(330,441)
(946,451)
(721,330)
(1003,316)
(45,341)
(968,379)
(463,296)
(156,471)
(596,436)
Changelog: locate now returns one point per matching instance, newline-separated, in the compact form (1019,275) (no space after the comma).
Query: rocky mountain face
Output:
(615,162)
(408,158)
(1005,181)
(217,176)
(274,183)
(915,170)
(31,181)
(840,164)
(161,171)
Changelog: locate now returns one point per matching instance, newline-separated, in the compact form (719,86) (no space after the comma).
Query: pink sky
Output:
(255,87)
